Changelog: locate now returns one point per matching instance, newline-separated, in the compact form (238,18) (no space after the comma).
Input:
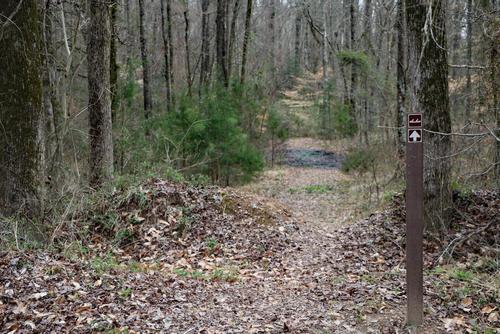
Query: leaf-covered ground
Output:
(168,258)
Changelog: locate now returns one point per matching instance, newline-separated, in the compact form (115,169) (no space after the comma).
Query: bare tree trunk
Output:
(495,85)
(166,54)
(368,117)
(428,93)
(352,97)
(272,46)
(186,44)
(205,44)
(232,37)
(326,94)
(52,108)
(21,111)
(113,60)
(401,79)
(100,130)
(246,39)
(148,103)
(170,47)
(220,22)
(468,88)
(298,27)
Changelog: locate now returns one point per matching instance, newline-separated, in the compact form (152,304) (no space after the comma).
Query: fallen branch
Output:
(450,248)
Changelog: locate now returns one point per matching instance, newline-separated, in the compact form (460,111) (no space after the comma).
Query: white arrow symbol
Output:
(414,136)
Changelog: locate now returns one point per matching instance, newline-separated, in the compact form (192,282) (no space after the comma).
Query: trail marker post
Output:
(414,219)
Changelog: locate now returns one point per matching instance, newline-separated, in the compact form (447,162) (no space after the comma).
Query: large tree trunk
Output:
(428,93)
(20,107)
(166,54)
(205,44)
(246,39)
(220,22)
(401,79)
(148,100)
(100,131)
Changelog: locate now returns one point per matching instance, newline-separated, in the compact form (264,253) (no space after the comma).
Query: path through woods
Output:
(307,179)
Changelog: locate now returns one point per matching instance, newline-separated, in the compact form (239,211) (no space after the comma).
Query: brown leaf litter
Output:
(170,258)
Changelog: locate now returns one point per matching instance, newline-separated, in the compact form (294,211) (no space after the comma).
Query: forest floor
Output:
(172,258)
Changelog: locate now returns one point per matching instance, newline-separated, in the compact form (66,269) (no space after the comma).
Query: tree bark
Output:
(326,94)
(186,44)
(298,27)
(113,60)
(232,37)
(468,87)
(100,130)
(366,100)
(148,102)
(272,46)
(246,39)
(20,108)
(166,54)
(352,46)
(428,93)
(401,79)
(52,108)
(170,46)
(220,22)
(495,86)
(205,44)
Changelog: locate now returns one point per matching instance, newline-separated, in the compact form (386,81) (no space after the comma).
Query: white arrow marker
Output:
(414,136)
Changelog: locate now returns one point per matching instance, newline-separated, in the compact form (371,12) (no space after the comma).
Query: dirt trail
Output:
(308,179)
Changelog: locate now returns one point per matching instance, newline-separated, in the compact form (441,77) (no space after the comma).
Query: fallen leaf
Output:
(487,309)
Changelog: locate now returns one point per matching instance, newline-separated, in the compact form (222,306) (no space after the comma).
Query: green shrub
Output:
(344,124)
(357,58)
(208,136)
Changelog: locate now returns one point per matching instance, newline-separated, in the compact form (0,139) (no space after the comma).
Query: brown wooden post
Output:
(414,219)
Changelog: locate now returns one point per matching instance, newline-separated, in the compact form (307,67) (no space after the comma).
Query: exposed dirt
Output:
(308,180)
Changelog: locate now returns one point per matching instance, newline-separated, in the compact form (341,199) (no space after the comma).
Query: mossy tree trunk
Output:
(100,131)
(20,107)
(428,93)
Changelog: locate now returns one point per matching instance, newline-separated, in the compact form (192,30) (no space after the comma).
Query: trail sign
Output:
(414,135)
(414,219)
(415,120)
